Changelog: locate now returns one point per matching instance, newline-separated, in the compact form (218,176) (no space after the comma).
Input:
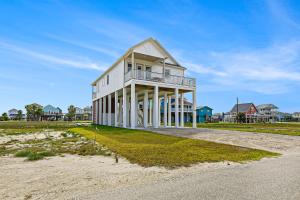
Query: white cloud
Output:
(99,49)
(82,64)
(271,70)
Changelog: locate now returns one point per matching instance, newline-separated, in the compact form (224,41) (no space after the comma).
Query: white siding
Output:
(149,48)
(116,81)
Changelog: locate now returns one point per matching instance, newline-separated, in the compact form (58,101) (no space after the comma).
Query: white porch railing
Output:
(159,77)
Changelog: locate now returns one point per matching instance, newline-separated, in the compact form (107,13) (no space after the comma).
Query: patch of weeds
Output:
(91,149)
(23,153)
(34,156)
(47,153)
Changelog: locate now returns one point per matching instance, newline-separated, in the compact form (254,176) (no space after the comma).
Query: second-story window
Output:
(107,79)
(129,67)
(167,72)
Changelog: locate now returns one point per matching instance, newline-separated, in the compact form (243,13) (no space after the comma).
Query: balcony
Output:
(94,95)
(160,77)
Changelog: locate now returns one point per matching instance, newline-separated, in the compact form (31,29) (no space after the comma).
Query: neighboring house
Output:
(83,113)
(296,116)
(248,109)
(87,113)
(187,110)
(217,117)
(13,114)
(51,113)
(79,113)
(267,112)
(204,114)
(127,94)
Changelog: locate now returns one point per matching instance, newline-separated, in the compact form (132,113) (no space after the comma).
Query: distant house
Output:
(87,113)
(83,113)
(296,116)
(217,117)
(268,112)
(204,114)
(187,110)
(51,113)
(13,114)
(248,109)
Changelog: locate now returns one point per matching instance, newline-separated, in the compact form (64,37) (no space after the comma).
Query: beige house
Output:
(129,93)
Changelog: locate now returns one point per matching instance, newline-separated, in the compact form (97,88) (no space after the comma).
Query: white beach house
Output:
(128,94)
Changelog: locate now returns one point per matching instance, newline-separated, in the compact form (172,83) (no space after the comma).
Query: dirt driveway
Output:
(266,141)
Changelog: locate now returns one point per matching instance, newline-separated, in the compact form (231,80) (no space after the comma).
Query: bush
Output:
(23,153)
(34,156)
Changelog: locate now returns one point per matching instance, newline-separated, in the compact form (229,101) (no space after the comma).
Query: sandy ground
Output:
(97,177)
(71,177)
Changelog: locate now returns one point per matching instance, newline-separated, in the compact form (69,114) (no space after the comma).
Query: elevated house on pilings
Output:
(127,94)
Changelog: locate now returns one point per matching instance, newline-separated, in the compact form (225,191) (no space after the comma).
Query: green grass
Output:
(34,153)
(149,149)
(292,129)
(21,127)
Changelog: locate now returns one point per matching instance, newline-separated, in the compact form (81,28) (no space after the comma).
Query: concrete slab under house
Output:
(128,94)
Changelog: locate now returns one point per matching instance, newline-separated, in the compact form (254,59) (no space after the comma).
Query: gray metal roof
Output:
(243,107)
(266,106)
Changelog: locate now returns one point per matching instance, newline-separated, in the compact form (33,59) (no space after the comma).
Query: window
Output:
(167,72)
(107,79)
(129,67)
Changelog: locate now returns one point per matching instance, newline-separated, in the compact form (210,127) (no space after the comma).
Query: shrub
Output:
(34,156)
(23,153)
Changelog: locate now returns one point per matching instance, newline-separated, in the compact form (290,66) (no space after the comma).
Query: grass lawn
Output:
(21,127)
(276,128)
(150,149)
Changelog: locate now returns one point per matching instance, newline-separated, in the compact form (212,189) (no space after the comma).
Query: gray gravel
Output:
(268,179)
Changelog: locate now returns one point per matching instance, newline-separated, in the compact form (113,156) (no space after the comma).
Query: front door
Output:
(139,72)
(148,72)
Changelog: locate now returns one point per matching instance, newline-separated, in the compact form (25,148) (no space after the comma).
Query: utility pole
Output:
(237,109)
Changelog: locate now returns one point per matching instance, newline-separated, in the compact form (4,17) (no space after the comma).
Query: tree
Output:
(20,115)
(4,117)
(241,117)
(34,112)
(71,112)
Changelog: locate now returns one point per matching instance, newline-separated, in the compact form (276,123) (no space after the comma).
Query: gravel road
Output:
(268,179)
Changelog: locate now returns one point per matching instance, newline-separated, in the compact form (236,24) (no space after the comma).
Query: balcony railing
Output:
(159,77)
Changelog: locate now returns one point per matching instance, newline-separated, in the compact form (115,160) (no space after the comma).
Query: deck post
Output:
(100,112)
(109,110)
(194,108)
(165,109)
(176,108)
(116,108)
(145,110)
(182,110)
(104,111)
(155,107)
(124,108)
(132,106)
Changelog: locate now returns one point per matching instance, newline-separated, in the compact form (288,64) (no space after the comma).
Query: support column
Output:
(159,112)
(132,65)
(145,109)
(128,110)
(96,104)
(116,108)
(109,110)
(176,108)
(182,111)
(100,115)
(136,109)
(170,111)
(150,112)
(124,108)
(165,110)
(132,106)
(194,108)
(104,111)
(155,107)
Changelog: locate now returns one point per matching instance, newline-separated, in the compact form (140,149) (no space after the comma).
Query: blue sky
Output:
(50,51)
